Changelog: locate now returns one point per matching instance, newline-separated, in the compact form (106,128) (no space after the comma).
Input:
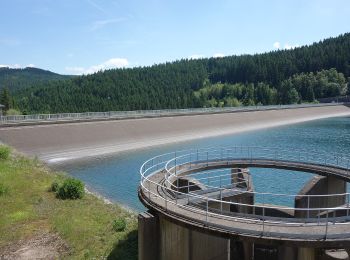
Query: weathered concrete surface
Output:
(305,253)
(55,143)
(148,236)
(178,242)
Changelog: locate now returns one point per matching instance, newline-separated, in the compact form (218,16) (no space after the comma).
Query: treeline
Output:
(16,79)
(279,77)
(304,87)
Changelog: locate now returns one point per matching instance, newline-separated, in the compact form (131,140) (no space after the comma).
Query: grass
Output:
(28,208)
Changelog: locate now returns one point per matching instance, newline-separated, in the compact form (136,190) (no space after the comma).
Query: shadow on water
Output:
(125,249)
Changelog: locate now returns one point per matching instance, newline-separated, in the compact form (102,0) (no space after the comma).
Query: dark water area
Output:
(117,177)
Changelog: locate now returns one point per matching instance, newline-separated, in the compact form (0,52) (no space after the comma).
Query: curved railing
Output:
(208,167)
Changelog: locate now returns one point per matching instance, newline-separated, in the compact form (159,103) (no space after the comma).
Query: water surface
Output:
(117,177)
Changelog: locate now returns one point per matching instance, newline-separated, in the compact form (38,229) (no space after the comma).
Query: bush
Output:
(3,189)
(4,152)
(54,186)
(119,224)
(71,189)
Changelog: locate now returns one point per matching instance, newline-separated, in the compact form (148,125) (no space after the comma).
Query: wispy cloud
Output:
(102,23)
(109,64)
(286,46)
(97,6)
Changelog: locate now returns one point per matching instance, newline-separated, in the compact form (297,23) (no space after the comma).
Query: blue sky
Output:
(83,36)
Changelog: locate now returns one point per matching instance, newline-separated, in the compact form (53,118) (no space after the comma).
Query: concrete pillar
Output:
(248,249)
(242,179)
(305,253)
(148,236)
(287,253)
(320,185)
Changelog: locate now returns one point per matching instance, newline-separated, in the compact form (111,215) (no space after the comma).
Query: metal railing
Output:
(44,118)
(196,162)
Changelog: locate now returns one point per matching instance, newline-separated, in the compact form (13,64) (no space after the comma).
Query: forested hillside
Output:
(15,79)
(280,77)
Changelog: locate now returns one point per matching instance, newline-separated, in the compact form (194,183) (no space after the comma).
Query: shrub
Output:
(3,189)
(71,189)
(4,152)
(119,224)
(54,186)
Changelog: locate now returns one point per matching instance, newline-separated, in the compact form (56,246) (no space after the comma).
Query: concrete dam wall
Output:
(59,142)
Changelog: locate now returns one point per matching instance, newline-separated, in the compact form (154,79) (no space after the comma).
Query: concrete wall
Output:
(148,236)
(320,185)
(178,242)
(160,239)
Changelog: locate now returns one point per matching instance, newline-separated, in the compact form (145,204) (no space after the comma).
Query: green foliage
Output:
(5,99)
(5,152)
(54,186)
(16,79)
(70,189)
(316,71)
(119,225)
(3,190)
(27,207)
(13,112)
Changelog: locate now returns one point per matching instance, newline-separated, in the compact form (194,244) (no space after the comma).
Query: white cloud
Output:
(196,56)
(102,23)
(286,46)
(289,47)
(277,45)
(109,64)
(16,66)
(218,55)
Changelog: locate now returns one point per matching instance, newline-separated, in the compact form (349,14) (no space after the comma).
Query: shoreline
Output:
(85,153)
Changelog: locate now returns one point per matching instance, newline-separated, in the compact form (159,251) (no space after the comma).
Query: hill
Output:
(15,79)
(303,74)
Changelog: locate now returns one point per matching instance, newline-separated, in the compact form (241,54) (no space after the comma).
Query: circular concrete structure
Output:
(211,191)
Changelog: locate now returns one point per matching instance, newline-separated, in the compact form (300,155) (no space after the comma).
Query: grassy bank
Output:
(29,209)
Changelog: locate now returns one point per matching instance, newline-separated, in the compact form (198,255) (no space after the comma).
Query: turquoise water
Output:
(117,177)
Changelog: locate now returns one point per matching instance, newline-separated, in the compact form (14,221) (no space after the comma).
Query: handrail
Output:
(174,164)
(42,118)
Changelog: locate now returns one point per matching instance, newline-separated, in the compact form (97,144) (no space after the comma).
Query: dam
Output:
(55,141)
(68,141)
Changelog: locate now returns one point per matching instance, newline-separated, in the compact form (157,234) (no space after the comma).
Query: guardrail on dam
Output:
(115,115)
(202,205)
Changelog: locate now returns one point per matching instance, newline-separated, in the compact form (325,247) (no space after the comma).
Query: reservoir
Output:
(117,177)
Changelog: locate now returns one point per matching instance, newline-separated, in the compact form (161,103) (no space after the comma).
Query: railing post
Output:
(221,201)
(308,206)
(207,158)
(175,165)
(206,218)
(326,226)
